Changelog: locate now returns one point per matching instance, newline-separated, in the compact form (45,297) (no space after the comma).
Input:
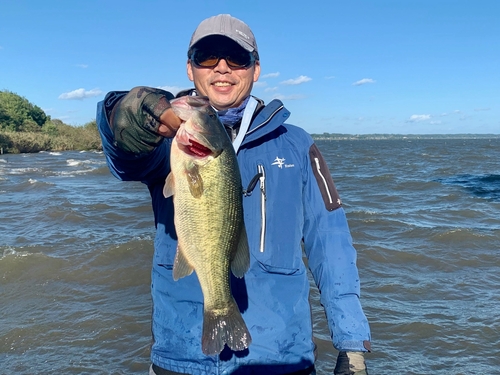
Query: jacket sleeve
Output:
(126,165)
(332,257)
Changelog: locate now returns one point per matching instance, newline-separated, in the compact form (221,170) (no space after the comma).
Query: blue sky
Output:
(357,67)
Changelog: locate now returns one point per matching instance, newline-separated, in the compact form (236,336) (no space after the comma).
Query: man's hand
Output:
(169,123)
(141,118)
(350,363)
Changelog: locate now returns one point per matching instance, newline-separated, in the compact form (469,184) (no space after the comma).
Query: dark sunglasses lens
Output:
(210,60)
(204,59)
(238,60)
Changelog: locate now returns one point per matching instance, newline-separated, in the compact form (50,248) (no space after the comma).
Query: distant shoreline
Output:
(338,137)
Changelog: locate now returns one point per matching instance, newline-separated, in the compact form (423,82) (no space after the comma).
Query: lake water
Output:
(76,251)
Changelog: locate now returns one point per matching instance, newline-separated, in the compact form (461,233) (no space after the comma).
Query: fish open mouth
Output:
(197,149)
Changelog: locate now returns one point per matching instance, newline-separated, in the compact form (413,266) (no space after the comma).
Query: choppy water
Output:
(76,251)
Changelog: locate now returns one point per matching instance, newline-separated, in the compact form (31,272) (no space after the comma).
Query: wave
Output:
(12,252)
(485,186)
(20,171)
(32,184)
(86,162)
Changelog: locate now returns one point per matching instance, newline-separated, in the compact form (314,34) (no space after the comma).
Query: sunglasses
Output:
(210,59)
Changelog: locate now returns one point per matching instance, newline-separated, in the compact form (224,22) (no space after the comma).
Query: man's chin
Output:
(221,105)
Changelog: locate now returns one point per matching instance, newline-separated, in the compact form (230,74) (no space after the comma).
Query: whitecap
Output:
(22,170)
(73,162)
(9,251)
(72,173)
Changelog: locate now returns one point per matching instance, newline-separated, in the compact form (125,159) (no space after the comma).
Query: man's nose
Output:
(222,66)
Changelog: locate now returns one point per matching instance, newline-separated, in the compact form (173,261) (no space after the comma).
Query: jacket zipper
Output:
(263,199)
(324,180)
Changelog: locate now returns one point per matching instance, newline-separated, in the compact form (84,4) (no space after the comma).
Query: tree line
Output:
(25,127)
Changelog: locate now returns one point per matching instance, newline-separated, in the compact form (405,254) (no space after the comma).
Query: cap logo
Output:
(242,34)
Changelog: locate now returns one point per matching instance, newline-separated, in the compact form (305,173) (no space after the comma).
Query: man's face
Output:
(225,87)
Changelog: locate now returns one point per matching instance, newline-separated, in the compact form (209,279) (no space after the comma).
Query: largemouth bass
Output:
(207,192)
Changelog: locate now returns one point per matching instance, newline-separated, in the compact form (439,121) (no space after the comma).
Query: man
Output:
(291,202)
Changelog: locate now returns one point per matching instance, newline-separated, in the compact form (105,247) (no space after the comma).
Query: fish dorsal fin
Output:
(168,188)
(181,265)
(195,181)
(241,260)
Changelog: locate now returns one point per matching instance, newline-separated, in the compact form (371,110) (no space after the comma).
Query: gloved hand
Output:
(350,363)
(142,118)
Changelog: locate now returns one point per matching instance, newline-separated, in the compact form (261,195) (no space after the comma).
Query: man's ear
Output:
(189,68)
(256,72)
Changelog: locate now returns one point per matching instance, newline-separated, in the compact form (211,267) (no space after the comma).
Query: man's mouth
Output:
(222,84)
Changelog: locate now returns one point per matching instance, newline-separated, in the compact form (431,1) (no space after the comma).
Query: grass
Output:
(53,136)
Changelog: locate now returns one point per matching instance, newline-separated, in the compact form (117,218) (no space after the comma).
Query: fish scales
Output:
(217,219)
(207,193)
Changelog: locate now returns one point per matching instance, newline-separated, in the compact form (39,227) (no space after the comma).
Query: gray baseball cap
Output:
(228,26)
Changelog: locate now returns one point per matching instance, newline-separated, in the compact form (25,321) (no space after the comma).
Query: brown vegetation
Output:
(53,136)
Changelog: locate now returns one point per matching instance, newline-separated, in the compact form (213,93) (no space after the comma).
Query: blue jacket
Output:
(294,208)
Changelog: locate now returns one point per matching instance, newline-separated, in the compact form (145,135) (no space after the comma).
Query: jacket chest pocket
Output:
(273,224)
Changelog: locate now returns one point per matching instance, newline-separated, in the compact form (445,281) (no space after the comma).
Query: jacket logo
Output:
(280,162)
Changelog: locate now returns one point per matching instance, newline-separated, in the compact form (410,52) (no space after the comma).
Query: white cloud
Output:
(363,81)
(83,66)
(481,109)
(271,75)
(418,118)
(330,77)
(260,84)
(296,81)
(80,94)
(270,89)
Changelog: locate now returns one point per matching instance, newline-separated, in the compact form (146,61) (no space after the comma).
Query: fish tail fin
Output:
(227,328)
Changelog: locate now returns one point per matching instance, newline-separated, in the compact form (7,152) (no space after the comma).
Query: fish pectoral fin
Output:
(168,188)
(241,260)
(182,267)
(195,181)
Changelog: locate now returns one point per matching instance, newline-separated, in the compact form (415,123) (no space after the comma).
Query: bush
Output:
(25,127)
(15,111)
(55,136)
(23,142)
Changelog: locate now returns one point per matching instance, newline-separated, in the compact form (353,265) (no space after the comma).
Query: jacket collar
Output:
(267,119)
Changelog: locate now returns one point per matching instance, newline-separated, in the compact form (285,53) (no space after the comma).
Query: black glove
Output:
(350,363)
(135,119)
